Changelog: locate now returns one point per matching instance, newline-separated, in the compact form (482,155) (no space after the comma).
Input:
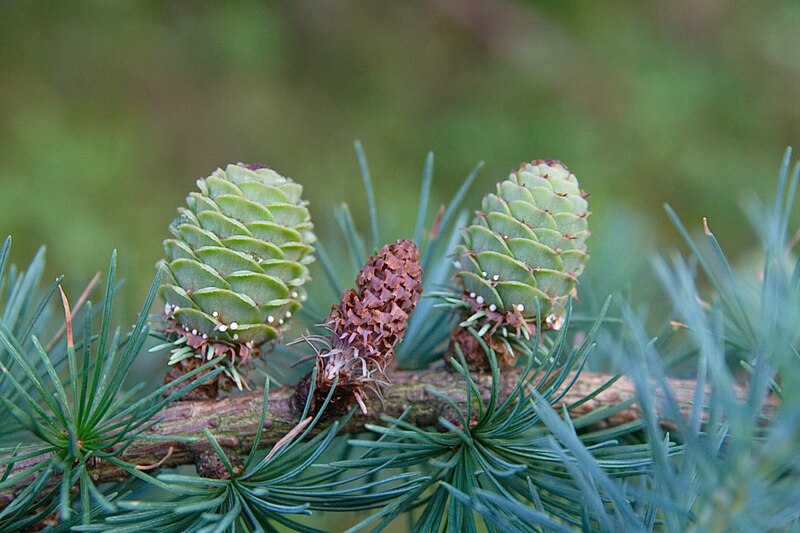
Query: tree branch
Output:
(233,420)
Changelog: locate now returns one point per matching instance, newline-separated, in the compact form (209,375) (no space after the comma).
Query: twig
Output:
(159,463)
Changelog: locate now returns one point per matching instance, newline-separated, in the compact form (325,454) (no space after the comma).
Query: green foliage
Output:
(266,492)
(24,314)
(517,449)
(72,421)
(739,470)
(520,462)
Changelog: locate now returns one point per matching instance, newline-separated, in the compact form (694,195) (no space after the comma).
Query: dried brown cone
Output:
(372,322)
(369,322)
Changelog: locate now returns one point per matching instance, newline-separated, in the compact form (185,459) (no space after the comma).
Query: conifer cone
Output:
(369,322)
(525,250)
(235,269)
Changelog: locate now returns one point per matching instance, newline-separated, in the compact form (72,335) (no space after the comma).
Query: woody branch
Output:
(234,420)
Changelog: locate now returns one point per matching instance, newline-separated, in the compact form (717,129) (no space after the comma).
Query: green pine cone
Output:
(235,269)
(527,246)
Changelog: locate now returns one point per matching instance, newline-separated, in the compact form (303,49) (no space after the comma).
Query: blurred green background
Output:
(110,110)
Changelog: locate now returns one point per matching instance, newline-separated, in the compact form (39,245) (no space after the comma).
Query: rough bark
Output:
(233,420)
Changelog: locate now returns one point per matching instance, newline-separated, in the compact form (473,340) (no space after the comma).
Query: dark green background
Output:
(110,110)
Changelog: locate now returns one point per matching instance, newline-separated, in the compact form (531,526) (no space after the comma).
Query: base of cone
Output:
(209,465)
(475,355)
(342,399)
(207,391)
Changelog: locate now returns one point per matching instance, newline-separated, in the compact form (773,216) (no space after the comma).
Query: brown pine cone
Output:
(370,321)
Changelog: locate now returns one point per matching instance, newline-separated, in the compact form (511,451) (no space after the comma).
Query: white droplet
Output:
(520,308)
(288,314)
(479,299)
(234,325)
(236,336)
(205,336)
(270,319)
(222,327)
(194,332)
(496,277)
(492,308)
(484,274)
(457,264)
(167,309)
(555,321)
(215,314)
(294,294)
(472,295)
(280,321)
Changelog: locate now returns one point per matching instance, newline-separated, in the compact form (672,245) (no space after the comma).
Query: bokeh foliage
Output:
(109,111)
